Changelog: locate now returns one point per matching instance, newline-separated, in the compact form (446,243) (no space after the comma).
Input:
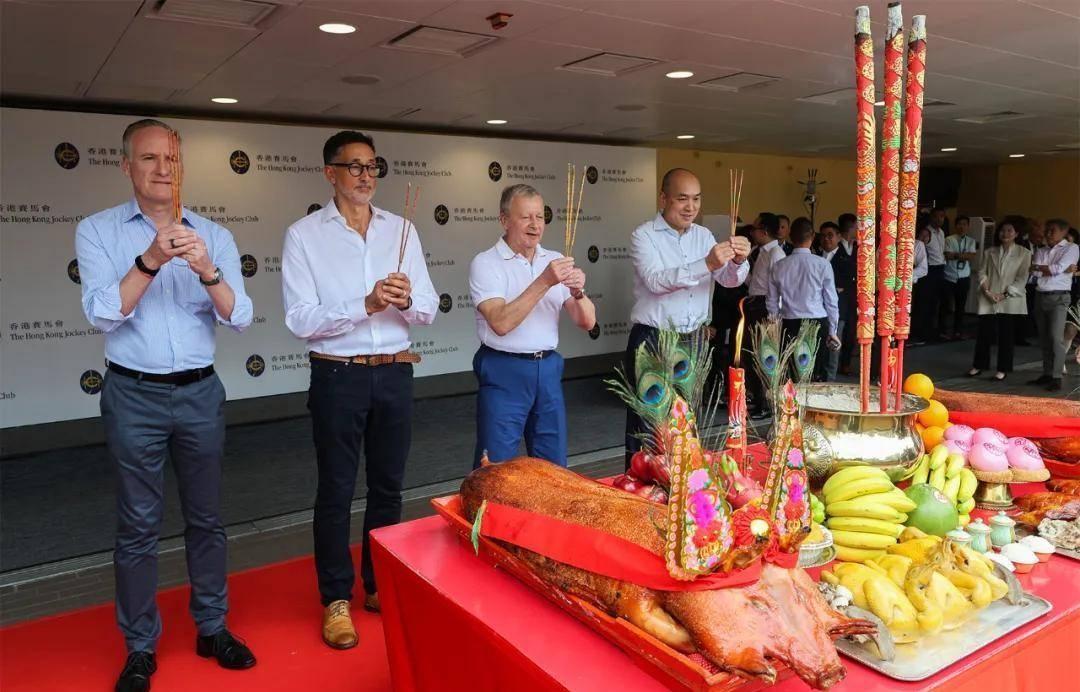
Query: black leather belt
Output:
(1053,293)
(178,378)
(533,355)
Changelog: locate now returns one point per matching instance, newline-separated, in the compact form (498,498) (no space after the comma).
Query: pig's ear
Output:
(484,461)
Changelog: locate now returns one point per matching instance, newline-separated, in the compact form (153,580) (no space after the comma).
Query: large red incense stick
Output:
(909,189)
(865,174)
(890,191)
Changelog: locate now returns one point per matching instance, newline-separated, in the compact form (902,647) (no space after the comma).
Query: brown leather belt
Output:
(377,359)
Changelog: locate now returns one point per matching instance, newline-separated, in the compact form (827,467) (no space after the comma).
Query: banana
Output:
(896,499)
(963,520)
(886,528)
(965,506)
(849,474)
(937,477)
(830,578)
(938,456)
(968,484)
(865,541)
(858,488)
(903,518)
(951,488)
(852,555)
(953,464)
(858,508)
(922,470)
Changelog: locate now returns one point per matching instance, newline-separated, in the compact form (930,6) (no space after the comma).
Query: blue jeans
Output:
(519,397)
(142,421)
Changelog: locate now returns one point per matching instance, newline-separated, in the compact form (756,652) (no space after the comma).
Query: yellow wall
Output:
(770,183)
(1040,188)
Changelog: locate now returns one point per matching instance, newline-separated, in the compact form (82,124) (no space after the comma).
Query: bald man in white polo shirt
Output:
(519,288)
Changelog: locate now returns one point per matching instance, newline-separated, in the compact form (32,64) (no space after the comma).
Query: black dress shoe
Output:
(1041,379)
(758,414)
(1054,385)
(135,677)
(229,651)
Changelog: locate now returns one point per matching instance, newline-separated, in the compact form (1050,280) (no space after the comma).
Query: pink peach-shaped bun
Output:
(959,432)
(988,457)
(988,435)
(1022,454)
(961,447)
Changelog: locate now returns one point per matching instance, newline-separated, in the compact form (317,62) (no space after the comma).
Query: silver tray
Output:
(931,655)
(1074,554)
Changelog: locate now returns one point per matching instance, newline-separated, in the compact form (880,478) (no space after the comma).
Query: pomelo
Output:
(933,514)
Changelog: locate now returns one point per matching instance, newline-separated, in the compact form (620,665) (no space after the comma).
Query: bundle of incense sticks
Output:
(407,216)
(176,170)
(573,212)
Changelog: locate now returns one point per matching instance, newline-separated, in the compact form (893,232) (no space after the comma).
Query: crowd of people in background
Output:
(1025,285)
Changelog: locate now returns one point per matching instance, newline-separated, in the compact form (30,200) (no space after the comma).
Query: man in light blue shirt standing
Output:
(157,286)
(802,287)
(959,251)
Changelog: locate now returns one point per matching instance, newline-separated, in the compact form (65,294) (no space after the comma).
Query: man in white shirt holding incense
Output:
(520,288)
(675,264)
(352,297)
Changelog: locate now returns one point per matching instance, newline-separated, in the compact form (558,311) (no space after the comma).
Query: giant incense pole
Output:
(865,174)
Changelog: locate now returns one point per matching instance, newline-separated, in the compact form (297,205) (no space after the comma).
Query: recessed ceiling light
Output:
(496,121)
(630,107)
(337,28)
(948,148)
(1016,156)
(223,99)
(361,79)
(879,104)
(679,74)
(684,137)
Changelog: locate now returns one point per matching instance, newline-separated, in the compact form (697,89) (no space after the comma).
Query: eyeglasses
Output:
(357,169)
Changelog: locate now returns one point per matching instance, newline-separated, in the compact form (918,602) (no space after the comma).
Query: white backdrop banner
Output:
(256,180)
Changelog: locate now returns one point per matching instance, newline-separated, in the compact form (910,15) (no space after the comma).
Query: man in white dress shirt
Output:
(520,288)
(1052,268)
(769,251)
(802,287)
(675,264)
(935,276)
(346,297)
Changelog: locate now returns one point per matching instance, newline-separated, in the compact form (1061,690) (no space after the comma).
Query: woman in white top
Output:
(1002,295)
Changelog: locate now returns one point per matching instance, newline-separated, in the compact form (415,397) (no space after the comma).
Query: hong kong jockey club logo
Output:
(445,302)
(442,214)
(239,162)
(547,214)
(592,175)
(66,155)
(91,381)
(383,168)
(255,365)
(314,207)
(248,266)
(73,271)
(594,333)
(594,253)
(494,171)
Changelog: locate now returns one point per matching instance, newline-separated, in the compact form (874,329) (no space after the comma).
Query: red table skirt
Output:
(453,623)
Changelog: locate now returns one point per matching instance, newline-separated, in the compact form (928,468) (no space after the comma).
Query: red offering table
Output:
(452,622)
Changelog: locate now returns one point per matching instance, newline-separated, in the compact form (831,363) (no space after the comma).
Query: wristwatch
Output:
(141,266)
(214,281)
(578,295)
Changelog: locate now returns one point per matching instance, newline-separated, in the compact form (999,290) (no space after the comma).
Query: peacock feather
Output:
(804,351)
(771,355)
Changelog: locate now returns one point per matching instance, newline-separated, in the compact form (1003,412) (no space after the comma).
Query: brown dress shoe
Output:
(371,603)
(337,626)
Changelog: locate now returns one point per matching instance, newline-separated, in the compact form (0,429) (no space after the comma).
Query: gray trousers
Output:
(1050,312)
(142,421)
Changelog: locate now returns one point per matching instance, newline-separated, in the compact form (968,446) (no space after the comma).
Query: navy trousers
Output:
(142,421)
(639,334)
(519,398)
(354,405)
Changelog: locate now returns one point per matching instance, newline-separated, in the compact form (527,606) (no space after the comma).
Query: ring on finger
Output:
(172,243)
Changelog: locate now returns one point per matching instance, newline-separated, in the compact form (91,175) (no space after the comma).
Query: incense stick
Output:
(408,214)
(176,172)
(577,215)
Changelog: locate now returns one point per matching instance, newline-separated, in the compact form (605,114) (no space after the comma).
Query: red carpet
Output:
(274,609)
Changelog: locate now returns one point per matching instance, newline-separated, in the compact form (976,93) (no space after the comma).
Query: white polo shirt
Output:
(499,272)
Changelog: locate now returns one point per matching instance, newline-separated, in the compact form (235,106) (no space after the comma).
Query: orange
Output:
(919,385)
(932,436)
(935,415)
(949,425)
(919,427)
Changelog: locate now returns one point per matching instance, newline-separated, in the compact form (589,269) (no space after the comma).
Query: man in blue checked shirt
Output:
(157,287)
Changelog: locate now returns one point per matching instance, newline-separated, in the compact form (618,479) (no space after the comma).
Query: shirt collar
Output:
(132,210)
(507,253)
(831,253)
(800,251)
(770,245)
(661,224)
(330,213)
